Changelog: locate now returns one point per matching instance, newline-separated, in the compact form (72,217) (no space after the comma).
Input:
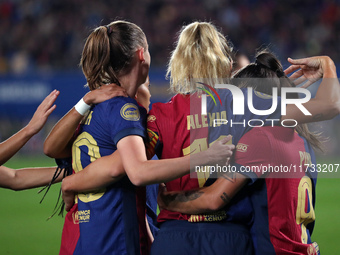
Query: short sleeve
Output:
(125,118)
(153,145)
(253,154)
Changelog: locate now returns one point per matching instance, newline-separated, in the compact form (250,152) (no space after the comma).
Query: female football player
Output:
(27,177)
(283,203)
(108,220)
(201,56)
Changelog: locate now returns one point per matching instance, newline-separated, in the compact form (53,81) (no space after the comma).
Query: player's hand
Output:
(221,151)
(104,93)
(41,114)
(68,198)
(308,70)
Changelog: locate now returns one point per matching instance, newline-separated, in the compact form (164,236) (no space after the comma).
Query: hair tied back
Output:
(108,30)
(258,63)
(280,73)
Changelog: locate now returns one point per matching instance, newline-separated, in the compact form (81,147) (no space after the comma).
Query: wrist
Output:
(28,131)
(327,62)
(329,68)
(65,187)
(206,158)
(87,98)
(81,107)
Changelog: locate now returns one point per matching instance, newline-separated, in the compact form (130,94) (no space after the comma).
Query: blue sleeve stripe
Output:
(127,132)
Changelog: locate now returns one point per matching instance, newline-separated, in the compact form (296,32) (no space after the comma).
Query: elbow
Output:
(215,206)
(13,186)
(17,188)
(14,182)
(48,150)
(138,180)
(54,151)
(66,185)
(214,203)
(334,109)
(117,172)
(137,177)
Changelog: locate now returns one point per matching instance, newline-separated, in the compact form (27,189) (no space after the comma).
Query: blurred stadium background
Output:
(40,47)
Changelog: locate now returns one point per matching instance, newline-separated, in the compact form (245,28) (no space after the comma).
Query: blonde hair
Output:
(108,52)
(202,54)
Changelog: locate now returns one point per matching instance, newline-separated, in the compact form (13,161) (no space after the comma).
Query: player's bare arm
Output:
(13,144)
(26,178)
(111,170)
(326,103)
(58,143)
(90,178)
(143,172)
(206,199)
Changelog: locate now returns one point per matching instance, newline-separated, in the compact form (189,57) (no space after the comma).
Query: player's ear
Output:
(140,54)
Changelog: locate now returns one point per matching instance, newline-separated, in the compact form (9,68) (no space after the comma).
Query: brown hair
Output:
(269,68)
(109,51)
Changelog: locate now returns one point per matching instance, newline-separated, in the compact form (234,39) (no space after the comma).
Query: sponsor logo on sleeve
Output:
(241,147)
(130,112)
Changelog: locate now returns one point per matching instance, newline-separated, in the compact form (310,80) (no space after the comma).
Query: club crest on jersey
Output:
(75,217)
(151,118)
(130,112)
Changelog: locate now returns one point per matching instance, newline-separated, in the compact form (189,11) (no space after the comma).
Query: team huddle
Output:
(111,136)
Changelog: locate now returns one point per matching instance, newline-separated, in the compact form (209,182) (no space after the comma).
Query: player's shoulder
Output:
(270,132)
(176,106)
(280,133)
(258,135)
(255,142)
(120,101)
(245,91)
(226,93)
(175,101)
(117,103)
(160,113)
(268,138)
(126,107)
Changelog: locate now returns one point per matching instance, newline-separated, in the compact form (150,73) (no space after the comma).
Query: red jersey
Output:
(170,136)
(178,128)
(70,234)
(283,202)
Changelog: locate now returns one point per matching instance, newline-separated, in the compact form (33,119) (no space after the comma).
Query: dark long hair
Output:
(267,73)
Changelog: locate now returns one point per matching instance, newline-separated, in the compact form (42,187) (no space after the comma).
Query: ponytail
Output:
(267,73)
(108,52)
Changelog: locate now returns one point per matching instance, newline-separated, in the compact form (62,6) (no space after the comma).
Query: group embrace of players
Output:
(111,138)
